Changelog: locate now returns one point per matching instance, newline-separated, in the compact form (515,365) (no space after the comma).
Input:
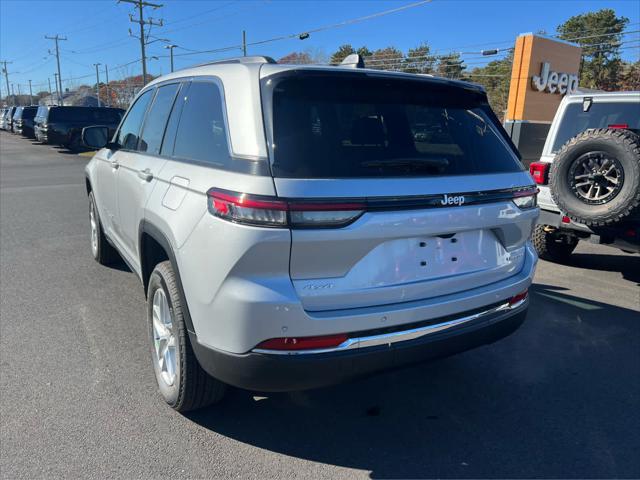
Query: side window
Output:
(154,125)
(201,133)
(127,136)
(174,120)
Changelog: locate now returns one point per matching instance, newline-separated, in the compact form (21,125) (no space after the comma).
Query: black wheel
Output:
(102,251)
(595,177)
(552,245)
(182,382)
(75,145)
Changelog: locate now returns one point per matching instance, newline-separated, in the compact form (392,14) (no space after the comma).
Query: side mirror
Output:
(96,137)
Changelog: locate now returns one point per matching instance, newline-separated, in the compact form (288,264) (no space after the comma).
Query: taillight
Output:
(540,172)
(271,212)
(303,343)
(618,125)
(518,298)
(526,198)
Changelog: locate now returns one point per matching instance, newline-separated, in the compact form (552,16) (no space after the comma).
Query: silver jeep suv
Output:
(297,226)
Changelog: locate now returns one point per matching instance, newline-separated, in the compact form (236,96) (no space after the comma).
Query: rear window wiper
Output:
(439,163)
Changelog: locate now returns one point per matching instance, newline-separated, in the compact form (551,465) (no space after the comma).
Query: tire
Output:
(182,382)
(589,155)
(552,246)
(102,251)
(75,145)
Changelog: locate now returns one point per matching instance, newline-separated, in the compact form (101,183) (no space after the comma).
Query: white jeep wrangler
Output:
(589,175)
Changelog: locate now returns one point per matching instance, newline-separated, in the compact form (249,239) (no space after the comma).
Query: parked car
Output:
(3,113)
(39,120)
(589,175)
(7,120)
(24,124)
(63,126)
(290,232)
(16,125)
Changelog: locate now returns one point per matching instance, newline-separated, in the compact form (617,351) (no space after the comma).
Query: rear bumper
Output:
(625,235)
(278,373)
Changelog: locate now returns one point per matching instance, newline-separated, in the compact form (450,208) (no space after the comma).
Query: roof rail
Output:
(251,59)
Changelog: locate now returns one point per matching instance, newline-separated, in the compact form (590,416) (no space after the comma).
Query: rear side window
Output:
(106,115)
(18,113)
(601,114)
(154,125)
(201,133)
(347,126)
(127,136)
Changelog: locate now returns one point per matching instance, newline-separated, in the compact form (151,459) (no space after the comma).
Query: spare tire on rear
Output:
(595,177)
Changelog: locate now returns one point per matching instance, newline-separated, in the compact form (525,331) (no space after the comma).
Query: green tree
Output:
(495,77)
(419,60)
(450,66)
(599,34)
(388,58)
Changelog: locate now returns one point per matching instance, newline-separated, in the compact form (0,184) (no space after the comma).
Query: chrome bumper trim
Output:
(400,336)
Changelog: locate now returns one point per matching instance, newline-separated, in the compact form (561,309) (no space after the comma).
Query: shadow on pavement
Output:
(628,265)
(556,399)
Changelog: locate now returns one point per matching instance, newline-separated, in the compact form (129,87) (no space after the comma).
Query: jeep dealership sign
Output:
(544,69)
(554,82)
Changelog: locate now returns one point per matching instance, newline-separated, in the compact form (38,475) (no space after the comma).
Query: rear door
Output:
(400,189)
(139,169)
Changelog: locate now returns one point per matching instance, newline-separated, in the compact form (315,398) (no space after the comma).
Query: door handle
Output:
(145,175)
(115,165)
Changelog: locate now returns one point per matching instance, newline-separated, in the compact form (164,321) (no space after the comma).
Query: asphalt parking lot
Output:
(559,398)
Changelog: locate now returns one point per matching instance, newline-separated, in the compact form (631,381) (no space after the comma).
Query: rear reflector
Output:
(540,172)
(303,343)
(518,298)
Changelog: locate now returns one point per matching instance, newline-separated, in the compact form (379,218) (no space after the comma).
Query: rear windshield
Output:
(85,114)
(348,126)
(41,114)
(600,115)
(29,112)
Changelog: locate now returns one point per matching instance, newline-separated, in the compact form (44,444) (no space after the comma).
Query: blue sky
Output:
(97,30)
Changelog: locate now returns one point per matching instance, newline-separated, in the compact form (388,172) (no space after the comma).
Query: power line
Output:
(313,30)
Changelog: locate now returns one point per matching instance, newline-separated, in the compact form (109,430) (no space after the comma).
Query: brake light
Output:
(540,172)
(526,198)
(518,298)
(303,343)
(618,125)
(271,212)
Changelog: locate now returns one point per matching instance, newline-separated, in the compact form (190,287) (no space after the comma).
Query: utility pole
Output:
(6,76)
(13,94)
(50,94)
(171,47)
(56,39)
(244,43)
(106,74)
(30,94)
(97,83)
(140,4)
(58,93)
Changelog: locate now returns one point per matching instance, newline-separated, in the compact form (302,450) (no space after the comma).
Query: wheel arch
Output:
(155,247)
